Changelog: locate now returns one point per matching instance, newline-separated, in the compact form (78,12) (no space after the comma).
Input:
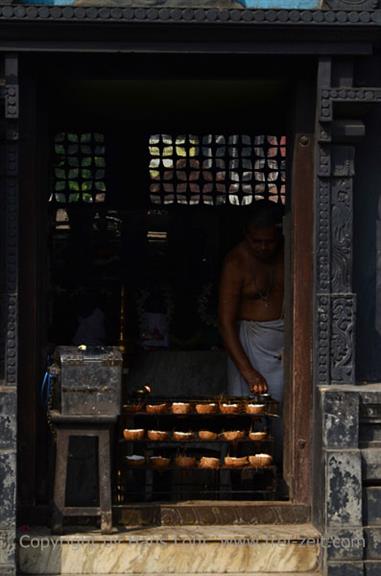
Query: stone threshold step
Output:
(240,534)
(202,574)
(181,550)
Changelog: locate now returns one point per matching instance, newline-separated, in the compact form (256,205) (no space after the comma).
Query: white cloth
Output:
(263,344)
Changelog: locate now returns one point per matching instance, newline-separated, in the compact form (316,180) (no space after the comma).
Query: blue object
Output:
(257,4)
(49,2)
(44,389)
(289,4)
(46,385)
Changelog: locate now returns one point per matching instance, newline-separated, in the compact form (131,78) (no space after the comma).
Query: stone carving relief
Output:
(341,234)
(342,338)
(323,339)
(323,236)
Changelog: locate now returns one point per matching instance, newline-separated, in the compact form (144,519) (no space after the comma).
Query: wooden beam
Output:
(302,195)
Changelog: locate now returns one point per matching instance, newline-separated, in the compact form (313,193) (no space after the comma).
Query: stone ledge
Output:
(260,533)
(319,573)
(185,550)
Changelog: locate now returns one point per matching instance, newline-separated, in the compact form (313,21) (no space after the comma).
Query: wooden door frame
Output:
(298,403)
(298,429)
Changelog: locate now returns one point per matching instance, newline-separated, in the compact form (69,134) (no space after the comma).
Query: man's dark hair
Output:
(264,214)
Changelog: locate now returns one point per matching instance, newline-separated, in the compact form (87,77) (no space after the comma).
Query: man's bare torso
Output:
(261,282)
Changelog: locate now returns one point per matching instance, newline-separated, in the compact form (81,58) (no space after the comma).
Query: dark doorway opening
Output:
(98,245)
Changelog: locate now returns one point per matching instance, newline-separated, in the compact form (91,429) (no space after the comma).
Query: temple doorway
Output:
(152,171)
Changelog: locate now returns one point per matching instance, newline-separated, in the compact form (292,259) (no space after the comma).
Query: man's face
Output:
(263,241)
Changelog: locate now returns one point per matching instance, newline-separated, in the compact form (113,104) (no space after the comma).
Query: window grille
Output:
(216,169)
(78,171)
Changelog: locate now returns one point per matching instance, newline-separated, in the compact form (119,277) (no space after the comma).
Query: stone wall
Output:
(7,480)
(341,503)
(8,299)
(347,436)
(351,498)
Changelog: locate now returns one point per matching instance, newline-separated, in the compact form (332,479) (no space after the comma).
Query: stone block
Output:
(340,413)
(373,543)
(8,570)
(372,568)
(372,505)
(372,397)
(370,432)
(343,488)
(345,544)
(371,464)
(8,424)
(7,548)
(7,489)
(345,569)
(168,558)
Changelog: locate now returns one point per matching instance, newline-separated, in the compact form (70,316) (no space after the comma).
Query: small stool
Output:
(93,426)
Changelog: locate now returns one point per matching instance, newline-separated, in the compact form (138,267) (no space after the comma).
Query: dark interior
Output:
(125,241)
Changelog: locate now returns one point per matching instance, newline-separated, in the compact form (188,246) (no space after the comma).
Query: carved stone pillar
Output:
(343,301)
(338,457)
(335,301)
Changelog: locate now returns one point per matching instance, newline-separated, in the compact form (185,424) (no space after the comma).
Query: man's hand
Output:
(256,382)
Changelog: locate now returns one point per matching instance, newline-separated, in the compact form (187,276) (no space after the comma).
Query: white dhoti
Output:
(263,344)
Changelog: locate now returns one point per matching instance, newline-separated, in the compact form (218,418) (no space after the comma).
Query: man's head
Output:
(262,231)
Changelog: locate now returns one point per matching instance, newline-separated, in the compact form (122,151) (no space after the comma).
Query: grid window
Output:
(79,168)
(216,169)
(78,172)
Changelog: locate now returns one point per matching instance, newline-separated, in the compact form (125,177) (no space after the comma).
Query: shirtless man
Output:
(251,306)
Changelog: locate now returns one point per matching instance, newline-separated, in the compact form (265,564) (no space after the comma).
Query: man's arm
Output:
(228,308)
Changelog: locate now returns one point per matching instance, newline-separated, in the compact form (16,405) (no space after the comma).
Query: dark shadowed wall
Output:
(367,250)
